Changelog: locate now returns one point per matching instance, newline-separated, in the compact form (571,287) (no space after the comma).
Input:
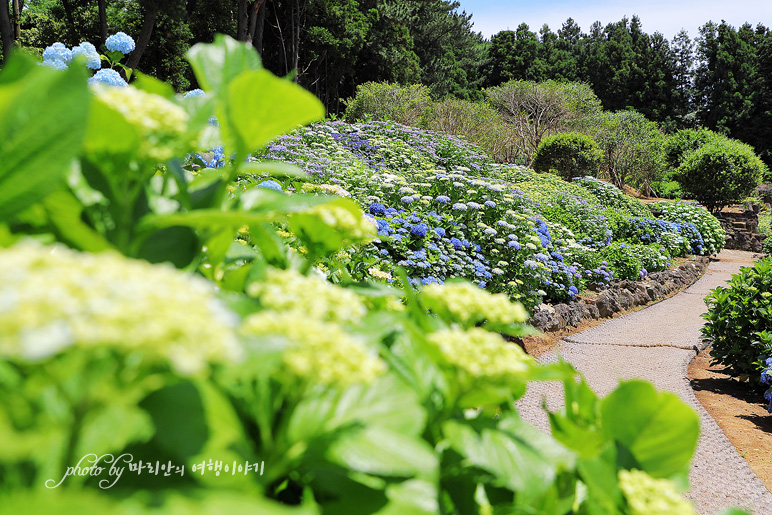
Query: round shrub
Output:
(686,141)
(739,321)
(571,154)
(720,173)
(408,105)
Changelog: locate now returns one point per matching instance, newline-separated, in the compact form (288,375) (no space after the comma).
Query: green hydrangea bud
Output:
(320,352)
(52,298)
(314,297)
(467,304)
(648,496)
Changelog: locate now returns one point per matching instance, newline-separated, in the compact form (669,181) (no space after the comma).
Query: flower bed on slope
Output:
(442,212)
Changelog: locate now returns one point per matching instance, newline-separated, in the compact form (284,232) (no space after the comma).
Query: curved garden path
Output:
(657,344)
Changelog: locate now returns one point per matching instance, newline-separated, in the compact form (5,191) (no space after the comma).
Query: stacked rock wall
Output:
(742,230)
(619,296)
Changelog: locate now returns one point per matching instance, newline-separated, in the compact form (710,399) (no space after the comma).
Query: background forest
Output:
(721,79)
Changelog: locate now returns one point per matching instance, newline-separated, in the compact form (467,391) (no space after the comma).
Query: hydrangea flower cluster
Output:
(120,42)
(689,212)
(159,120)
(109,77)
(288,290)
(766,378)
(648,496)
(307,312)
(53,298)
(481,354)
(317,351)
(59,57)
(467,304)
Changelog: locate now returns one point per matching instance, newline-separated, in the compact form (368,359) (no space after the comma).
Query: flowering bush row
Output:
(506,228)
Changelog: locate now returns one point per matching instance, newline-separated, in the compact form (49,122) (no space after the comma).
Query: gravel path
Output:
(657,344)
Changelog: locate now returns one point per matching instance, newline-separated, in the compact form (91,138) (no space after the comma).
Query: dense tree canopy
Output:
(721,79)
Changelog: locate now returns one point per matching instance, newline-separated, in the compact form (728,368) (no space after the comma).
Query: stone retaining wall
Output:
(742,230)
(619,296)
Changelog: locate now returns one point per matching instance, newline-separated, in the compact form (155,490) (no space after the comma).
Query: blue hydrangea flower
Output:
(195,93)
(108,76)
(57,51)
(89,51)
(271,185)
(442,199)
(56,64)
(120,42)
(490,231)
(377,209)
(406,200)
(473,205)
(457,244)
(419,230)
(515,245)
(440,232)
(573,290)
(490,203)
(458,206)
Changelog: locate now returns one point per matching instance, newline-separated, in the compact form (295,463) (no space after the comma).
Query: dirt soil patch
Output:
(739,410)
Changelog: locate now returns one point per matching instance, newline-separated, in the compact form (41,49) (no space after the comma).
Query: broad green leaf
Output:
(657,429)
(261,106)
(177,245)
(64,212)
(513,461)
(43,115)
(217,64)
(387,403)
(411,497)
(150,84)
(109,133)
(383,452)
(112,428)
(167,407)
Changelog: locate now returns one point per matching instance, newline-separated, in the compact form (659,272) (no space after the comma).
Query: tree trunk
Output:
(103,20)
(242,20)
(68,14)
(16,20)
(6,30)
(148,22)
(257,26)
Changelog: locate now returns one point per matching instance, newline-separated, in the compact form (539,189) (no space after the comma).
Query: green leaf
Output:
(516,455)
(381,451)
(412,497)
(387,403)
(167,407)
(217,64)
(64,212)
(43,116)
(656,429)
(261,106)
(150,84)
(177,245)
